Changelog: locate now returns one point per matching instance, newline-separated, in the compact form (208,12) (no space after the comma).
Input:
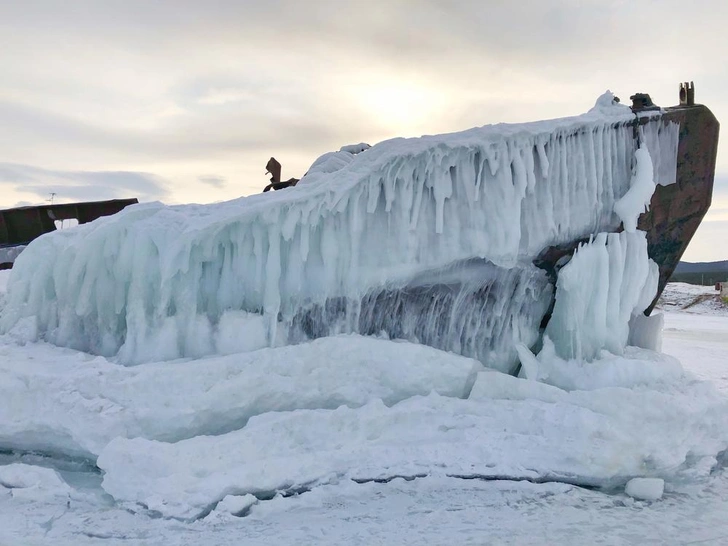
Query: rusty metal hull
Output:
(677,210)
(20,226)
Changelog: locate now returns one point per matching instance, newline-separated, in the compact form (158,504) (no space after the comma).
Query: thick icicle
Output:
(606,282)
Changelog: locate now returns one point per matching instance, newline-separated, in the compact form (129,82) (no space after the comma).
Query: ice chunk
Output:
(635,368)
(607,281)
(233,505)
(645,488)
(529,363)
(646,331)
(28,482)
(637,199)
(500,386)
(509,427)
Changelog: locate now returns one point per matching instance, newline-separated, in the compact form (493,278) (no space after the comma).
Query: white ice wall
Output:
(154,274)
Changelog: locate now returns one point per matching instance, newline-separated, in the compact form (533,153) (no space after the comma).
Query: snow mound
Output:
(635,367)
(32,483)
(74,404)
(155,281)
(691,298)
(508,428)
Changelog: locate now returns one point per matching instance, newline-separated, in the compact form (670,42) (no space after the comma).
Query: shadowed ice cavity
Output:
(473,308)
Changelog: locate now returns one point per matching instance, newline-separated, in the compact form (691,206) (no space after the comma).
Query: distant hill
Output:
(701,267)
(706,273)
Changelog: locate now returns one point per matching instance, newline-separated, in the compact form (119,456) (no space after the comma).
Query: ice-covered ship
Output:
(455,241)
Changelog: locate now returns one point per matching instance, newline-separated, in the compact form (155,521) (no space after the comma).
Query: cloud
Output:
(183,88)
(708,243)
(214,181)
(82,185)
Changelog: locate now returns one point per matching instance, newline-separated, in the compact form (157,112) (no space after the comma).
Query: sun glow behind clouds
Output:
(403,107)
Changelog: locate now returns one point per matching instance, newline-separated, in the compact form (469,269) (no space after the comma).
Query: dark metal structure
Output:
(273,167)
(19,226)
(677,210)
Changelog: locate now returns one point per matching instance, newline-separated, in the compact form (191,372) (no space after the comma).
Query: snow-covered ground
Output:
(691,298)
(341,441)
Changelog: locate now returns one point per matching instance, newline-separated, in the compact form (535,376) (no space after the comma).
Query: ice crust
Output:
(157,282)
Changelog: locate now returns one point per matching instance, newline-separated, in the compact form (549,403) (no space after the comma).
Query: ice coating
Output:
(661,141)
(637,199)
(474,309)
(608,280)
(156,276)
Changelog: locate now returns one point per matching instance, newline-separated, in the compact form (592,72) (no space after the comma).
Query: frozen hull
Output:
(453,241)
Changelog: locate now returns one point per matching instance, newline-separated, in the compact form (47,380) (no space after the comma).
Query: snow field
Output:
(179,437)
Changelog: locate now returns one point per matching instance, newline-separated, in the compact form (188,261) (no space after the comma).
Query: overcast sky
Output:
(185,100)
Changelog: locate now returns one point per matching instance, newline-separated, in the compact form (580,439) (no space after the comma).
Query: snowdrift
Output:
(402,222)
